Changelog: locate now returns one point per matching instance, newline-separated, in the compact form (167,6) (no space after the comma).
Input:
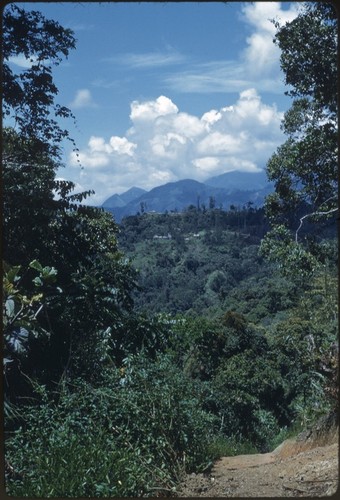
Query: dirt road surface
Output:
(297,468)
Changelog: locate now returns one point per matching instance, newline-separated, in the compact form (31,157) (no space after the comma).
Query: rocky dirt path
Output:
(295,469)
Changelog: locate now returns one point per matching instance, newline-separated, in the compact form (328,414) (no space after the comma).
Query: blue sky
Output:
(166,91)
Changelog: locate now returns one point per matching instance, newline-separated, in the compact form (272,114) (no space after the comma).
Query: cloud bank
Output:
(165,144)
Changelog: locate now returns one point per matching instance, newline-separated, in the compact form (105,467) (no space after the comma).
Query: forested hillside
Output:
(209,261)
(139,352)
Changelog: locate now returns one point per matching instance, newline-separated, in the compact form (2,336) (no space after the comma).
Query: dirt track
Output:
(295,469)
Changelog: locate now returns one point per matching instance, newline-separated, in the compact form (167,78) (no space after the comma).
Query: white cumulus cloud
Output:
(207,163)
(98,144)
(150,110)
(216,143)
(211,116)
(262,55)
(122,146)
(165,144)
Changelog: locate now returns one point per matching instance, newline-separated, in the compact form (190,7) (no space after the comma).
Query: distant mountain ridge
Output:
(120,200)
(231,188)
(240,180)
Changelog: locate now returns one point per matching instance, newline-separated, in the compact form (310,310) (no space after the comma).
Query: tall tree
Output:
(32,136)
(29,96)
(304,168)
(44,221)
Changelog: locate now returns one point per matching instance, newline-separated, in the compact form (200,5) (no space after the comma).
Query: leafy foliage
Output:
(28,97)
(43,219)
(133,436)
(310,68)
(242,378)
(187,263)
(21,326)
(21,311)
(304,169)
(34,201)
(245,391)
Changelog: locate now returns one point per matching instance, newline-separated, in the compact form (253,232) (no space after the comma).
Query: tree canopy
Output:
(45,223)
(33,136)
(29,96)
(304,169)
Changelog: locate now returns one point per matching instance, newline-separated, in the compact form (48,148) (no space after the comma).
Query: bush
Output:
(168,415)
(248,394)
(132,436)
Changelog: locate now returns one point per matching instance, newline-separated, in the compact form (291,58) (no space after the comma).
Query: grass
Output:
(223,446)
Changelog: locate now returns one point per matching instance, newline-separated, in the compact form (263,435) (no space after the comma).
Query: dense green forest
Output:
(138,352)
(208,262)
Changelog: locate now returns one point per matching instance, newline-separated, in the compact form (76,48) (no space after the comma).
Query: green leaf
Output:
(12,273)
(38,281)
(36,265)
(9,307)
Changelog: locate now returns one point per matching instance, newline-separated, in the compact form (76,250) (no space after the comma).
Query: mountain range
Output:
(231,188)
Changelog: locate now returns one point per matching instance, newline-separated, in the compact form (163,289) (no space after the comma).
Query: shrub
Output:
(132,436)
(248,394)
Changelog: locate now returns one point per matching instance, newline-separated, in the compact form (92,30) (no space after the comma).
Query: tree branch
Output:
(310,215)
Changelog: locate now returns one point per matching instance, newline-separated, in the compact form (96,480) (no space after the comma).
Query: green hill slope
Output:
(194,263)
